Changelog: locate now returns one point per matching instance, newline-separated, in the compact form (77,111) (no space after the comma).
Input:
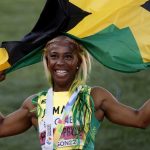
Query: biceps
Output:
(122,114)
(15,123)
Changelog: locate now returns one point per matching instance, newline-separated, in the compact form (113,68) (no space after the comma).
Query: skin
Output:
(2,76)
(63,64)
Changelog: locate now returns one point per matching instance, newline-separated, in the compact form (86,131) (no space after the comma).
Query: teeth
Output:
(61,71)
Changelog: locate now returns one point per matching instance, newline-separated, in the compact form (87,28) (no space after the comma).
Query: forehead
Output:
(62,46)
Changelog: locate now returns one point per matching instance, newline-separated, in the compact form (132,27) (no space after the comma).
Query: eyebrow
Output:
(66,53)
(54,51)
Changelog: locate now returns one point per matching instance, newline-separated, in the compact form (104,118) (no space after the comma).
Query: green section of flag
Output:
(115,48)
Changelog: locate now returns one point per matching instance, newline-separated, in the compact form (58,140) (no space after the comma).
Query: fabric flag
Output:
(116,33)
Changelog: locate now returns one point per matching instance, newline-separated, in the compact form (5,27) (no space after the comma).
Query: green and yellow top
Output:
(80,125)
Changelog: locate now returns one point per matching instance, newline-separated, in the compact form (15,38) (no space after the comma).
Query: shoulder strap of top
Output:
(35,99)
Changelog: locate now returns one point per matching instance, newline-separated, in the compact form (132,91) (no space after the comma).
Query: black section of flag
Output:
(147,5)
(17,50)
(56,17)
(75,16)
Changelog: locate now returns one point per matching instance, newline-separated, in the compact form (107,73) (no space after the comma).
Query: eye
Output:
(53,56)
(68,57)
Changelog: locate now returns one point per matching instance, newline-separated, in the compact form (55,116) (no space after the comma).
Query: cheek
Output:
(50,64)
(74,65)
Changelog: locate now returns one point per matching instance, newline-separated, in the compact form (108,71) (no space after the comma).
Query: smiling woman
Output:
(66,60)
(69,114)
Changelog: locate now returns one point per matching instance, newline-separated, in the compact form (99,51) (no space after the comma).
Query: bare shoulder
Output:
(100,92)
(27,104)
(99,95)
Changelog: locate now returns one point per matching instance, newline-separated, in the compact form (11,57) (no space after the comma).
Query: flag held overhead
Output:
(116,32)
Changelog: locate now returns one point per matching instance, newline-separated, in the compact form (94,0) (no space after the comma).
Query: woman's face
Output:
(63,63)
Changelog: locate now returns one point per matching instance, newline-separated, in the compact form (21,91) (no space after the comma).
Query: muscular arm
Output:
(18,121)
(119,113)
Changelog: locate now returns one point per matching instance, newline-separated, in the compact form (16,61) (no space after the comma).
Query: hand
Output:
(2,76)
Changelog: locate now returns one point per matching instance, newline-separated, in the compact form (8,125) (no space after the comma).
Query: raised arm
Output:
(119,113)
(18,121)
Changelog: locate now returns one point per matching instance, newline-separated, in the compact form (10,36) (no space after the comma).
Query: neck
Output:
(61,88)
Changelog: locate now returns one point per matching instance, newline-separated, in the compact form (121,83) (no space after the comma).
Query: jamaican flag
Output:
(116,33)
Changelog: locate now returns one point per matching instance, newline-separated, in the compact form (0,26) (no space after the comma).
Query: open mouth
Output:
(61,73)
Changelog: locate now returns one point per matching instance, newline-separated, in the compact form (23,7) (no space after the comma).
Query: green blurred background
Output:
(17,18)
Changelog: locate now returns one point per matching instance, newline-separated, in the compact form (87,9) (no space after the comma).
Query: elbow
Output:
(143,119)
(140,121)
(143,124)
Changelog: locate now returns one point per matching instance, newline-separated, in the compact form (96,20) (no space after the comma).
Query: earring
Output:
(77,68)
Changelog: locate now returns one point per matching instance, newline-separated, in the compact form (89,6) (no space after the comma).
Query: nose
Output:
(60,61)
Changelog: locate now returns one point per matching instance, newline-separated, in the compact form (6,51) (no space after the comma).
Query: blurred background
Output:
(17,18)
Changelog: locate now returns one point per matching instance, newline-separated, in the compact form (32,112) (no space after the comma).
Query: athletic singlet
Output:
(68,139)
